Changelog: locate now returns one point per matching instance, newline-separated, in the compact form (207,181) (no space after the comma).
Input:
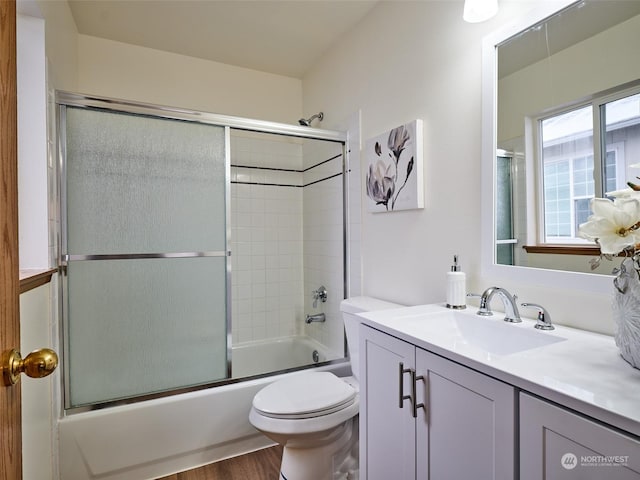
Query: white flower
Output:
(614,225)
(624,193)
(380,183)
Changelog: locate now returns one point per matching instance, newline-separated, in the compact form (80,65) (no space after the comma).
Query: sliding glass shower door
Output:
(144,248)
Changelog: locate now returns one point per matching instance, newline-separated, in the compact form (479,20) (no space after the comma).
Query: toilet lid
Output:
(303,396)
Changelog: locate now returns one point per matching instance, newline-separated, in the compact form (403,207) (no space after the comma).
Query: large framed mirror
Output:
(552,137)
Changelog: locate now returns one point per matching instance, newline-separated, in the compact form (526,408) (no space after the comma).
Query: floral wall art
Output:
(394,169)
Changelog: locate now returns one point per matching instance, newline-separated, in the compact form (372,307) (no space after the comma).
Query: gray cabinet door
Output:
(556,444)
(467,429)
(387,432)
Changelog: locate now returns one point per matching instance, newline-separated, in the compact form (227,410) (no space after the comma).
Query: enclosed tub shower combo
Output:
(192,246)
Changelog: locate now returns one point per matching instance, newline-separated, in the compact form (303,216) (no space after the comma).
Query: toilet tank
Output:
(349,308)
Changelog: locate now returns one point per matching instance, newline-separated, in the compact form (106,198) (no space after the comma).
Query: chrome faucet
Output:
(319,294)
(318,317)
(509,301)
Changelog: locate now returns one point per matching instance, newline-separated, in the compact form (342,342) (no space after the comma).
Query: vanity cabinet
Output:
(425,417)
(558,444)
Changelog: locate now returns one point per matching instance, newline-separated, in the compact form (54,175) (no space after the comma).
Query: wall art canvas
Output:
(394,169)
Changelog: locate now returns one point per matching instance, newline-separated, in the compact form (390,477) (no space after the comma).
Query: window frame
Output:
(597,104)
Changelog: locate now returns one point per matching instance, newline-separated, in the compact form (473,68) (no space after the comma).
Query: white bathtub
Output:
(272,355)
(155,438)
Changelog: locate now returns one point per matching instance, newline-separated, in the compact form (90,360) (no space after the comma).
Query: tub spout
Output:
(318,317)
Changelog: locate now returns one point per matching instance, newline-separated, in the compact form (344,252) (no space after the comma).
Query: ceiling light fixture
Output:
(476,11)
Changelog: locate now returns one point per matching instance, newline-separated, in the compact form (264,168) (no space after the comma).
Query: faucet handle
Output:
(544,318)
(484,310)
(319,294)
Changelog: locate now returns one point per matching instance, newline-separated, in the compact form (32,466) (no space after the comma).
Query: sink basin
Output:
(464,330)
(501,338)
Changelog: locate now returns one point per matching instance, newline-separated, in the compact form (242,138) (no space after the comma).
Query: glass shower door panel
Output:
(140,191)
(144,326)
(504,211)
(136,184)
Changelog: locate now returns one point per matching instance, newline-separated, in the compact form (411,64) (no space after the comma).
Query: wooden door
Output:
(10,411)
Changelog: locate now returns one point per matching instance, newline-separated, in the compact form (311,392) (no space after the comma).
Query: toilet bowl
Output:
(314,415)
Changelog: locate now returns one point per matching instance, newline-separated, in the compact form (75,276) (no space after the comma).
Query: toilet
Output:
(314,415)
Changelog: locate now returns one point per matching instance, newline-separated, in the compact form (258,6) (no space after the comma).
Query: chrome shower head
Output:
(306,122)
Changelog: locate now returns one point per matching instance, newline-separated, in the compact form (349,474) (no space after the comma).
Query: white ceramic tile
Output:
(244,307)
(242,262)
(243,191)
(257,219)
(257,249)
(257,303)
(243,292)
(242,277)
(257,276)
(259,332)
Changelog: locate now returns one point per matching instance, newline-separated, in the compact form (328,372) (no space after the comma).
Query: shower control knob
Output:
(319,294)
(37,364)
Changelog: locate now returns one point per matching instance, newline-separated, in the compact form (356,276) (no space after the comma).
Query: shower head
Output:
(306,122)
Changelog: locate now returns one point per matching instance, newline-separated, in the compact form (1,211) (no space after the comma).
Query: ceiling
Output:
(277,36)
(561,31)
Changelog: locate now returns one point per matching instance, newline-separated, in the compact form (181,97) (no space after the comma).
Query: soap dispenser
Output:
(456,287)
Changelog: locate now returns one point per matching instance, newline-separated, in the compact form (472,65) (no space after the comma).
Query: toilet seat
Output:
(307,395)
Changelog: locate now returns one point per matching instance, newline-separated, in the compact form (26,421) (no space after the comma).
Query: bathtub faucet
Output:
(318,317)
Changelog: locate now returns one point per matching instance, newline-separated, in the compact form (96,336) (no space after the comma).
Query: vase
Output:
(626,312)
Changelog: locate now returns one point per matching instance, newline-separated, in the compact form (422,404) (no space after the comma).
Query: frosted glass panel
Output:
(143,185)
(143,326)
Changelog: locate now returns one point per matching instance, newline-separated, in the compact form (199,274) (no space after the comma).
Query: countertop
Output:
(582,371)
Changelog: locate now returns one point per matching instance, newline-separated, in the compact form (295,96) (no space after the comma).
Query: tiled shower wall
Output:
(324,240)
(287,241)
(267,239)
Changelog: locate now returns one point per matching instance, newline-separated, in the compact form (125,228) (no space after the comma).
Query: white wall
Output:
(37,317)
(39,438)
(409,60)
(61,44)
(124,71)
(32,144)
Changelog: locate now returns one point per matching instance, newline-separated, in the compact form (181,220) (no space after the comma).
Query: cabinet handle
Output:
(402,396)
(414,388)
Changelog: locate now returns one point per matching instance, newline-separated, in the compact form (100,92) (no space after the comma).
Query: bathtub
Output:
(159,437)
(276,354)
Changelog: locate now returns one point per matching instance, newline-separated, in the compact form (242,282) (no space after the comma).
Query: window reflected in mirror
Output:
(586,152)
(567,173)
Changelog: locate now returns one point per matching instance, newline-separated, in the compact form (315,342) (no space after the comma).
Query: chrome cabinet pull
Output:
(402,397)
(414,388)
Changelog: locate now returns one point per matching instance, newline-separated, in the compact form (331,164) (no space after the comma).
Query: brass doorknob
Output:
(37,364)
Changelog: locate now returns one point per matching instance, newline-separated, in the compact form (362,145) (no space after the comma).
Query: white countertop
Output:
(581,370)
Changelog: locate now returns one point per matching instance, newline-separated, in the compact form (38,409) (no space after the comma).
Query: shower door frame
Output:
(64,99)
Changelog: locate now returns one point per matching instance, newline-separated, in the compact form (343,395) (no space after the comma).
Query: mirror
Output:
(567,127)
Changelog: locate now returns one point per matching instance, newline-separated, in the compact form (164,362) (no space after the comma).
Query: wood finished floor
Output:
(260,465)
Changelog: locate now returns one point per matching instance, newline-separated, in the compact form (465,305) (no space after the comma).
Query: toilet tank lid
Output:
(366,304)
